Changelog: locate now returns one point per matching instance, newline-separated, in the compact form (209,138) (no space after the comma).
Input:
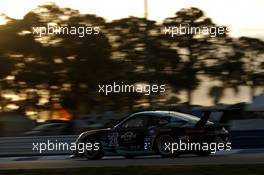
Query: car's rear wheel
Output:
(94,153)
(205,153)
(163,148)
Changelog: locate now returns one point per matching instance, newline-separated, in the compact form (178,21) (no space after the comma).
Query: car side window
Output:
(177,120)
(157,121)
(135,122)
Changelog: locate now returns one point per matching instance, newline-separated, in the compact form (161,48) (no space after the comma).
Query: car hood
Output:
(96,131)
(91,132)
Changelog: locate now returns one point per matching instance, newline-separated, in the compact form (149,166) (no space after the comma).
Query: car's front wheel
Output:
(163,146)
(96,152)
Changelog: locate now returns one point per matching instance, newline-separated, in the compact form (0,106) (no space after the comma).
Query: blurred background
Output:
(49,84)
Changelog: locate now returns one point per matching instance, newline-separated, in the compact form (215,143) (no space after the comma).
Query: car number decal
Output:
(113,139)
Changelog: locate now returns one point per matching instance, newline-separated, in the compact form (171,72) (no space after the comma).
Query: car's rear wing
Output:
(203,120)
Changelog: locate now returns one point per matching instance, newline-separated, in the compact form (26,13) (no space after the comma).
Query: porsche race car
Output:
(150,133)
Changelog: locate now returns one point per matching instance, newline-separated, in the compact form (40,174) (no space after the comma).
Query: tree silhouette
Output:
(216,92)
(69,68)
(195,46)
(226,67)
(253,49)
(138,43)
(61,64)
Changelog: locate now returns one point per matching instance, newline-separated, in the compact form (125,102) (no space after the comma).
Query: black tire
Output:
(160,146)
(93,154)
(207,153)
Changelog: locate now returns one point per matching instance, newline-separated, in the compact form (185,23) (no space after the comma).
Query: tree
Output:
(226,67)
(193,46)
(216,92)
(137,42)
(253,50)
(61,64)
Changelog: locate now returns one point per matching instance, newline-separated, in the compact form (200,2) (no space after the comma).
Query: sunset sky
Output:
(242,17)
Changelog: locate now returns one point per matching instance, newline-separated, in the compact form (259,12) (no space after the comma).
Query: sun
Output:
(3,20)
(15,9)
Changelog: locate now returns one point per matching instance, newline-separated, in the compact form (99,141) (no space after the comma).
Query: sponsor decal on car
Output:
(128,136)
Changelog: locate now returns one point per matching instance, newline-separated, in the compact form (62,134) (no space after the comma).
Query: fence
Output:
(23,146)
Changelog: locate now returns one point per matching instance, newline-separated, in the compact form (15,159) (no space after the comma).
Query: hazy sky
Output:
(243,17)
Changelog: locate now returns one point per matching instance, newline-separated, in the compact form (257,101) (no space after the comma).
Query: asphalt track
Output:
(65,162)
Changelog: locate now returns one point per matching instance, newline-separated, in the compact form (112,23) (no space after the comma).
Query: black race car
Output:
(151,132)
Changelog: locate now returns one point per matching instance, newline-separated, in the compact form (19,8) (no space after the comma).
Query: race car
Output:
(150,133)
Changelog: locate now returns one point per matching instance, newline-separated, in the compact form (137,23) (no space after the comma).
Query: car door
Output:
(132,133)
